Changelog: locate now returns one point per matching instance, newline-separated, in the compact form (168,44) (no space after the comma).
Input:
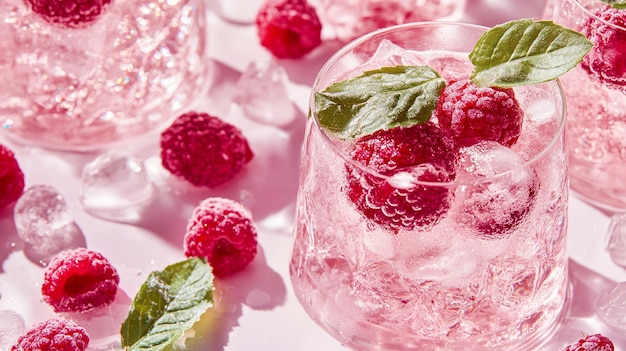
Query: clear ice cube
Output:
(611,306)
(115,186)
(262,93)
(12,325)
(617,239)
(60,239)
(39,212)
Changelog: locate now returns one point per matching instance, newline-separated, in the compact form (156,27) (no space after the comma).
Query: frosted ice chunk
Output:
(617,239)
(611,306)
(60,239)
(261,92)
(12,325)
(39,213)
(115,186)
(497,191)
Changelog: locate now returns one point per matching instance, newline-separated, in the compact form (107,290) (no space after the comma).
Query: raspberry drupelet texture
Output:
(595,342)
(288,28)
(203,149)
(79,280)
(422,152)
(69,13)
(11,177)
(606,62)
(54,334)
(221,231)
(468,113)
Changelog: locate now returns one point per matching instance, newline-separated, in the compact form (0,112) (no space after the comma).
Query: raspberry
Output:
(288,28)
(79,280)
(58,334)
(69,13)
(420,150)
(203,149)
(11,177)
(468,113)
(221,231)
(596,342)
(606,62)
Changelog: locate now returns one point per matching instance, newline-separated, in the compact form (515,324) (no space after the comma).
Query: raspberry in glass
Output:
(69,13)
(606,62)
(11,177)
(421,151)
(595,342)
(288,28)
(79,280)
(203,149)
(221,231)
(54,334)
(469,113)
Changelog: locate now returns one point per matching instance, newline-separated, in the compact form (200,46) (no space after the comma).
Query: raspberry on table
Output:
(79,280)
(420,150)
(288,28)
(221,231)
(69,13)
(54,334)
(595,342)
(11,177)
(606,62)
(203,149)
(468,113)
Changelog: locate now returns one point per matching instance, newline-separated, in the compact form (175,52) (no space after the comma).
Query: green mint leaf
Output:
(383,98)
(618,4)
(526,51)
(168,303)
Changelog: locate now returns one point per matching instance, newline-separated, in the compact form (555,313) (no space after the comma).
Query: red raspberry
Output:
(468,113)
(203,149)
(606,62)
(288,28)
(421,150)
(596,342)
(79,280)
(54,334)
(221,231)
(69,13)
(11,177)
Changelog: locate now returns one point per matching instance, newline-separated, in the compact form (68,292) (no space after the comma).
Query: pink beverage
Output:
(125,73)
(482,264)
(596,102)
(348,19)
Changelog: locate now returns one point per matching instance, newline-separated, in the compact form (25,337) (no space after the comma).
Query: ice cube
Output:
(617,239)
(262,94)
(611,306)
(497,191)
(60,239)
(12,325)
(115,186)
(39,212)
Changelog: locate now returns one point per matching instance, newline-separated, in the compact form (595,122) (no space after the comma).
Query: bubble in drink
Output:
(115,186)
(611,306)
(617,239)
(39,213)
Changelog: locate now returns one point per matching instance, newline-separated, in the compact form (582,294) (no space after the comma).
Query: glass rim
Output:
(591,14)
(327,136)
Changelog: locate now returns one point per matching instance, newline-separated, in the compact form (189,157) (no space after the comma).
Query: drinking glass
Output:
(488,272)
(596,104)
(134,68)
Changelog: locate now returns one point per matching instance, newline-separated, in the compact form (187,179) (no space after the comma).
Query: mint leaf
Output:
(525,52)
(383,98)
(168,303)
(618,4)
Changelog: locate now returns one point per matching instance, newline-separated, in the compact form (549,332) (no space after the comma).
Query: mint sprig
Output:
(618,4)
(524,52)
(168,303)
(382,98)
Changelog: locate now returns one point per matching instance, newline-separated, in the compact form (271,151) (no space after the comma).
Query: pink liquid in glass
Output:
(450,285)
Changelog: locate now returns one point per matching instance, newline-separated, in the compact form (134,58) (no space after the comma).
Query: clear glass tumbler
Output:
(486,268)
(126,73)
(596,102)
